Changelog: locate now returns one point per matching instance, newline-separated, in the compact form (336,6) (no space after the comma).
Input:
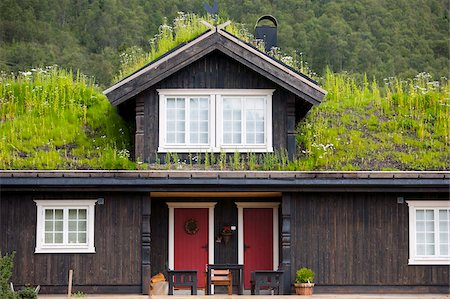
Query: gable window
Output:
(65,226)
(429,232)
(226,120)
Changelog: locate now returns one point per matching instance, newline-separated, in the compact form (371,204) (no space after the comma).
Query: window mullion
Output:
(65,226)
(244,122)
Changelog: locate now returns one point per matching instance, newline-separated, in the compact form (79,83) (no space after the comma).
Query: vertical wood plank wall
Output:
(216,70)
(357,239)
(116,265)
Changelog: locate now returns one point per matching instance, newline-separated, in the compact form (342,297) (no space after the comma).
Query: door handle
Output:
(246,247)
(205,247)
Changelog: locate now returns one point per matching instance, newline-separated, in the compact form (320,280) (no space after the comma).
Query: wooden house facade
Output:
(359,231)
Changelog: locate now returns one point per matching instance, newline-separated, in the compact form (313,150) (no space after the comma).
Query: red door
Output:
(258,241)
(191,244)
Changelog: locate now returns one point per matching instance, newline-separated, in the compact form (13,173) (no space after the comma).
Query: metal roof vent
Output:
(268,33)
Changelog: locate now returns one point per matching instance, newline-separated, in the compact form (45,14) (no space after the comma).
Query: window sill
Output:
(429,261)
(65,250)
(225,149)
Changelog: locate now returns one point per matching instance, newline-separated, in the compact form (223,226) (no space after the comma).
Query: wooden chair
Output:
(222,278)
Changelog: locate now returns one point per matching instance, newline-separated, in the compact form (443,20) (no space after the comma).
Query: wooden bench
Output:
(267,279)
(182,278)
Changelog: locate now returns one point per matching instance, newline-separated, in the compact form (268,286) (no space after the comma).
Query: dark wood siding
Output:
(360,239)
(216,70)
(116,265)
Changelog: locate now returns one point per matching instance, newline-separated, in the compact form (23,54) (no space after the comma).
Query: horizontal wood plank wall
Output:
(215,70)
(116,265)
(357,240)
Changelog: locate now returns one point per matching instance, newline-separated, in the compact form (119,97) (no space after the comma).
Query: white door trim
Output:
(179,205)
(255,205)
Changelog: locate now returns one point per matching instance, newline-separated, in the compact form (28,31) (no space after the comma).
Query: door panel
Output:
(191,250)
(258,241)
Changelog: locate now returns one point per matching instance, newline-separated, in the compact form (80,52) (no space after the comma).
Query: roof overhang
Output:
(225,181)
(212,40)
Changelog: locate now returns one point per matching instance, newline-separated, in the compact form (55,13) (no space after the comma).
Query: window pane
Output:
(429,249)
(48,238)
(194,138)
(82,238)
(72,214)
(420,237)
(444,238)
(259,138)
(72,226)
(170,103)
(420,249)
(58,238)
(420,226)
(429,215)
(429,238)
(429,226)
(48,226)
(260,126)
(443,215)
(49,214)
(59,214)
(250,138)
(175,122)
(59,226)
(232,122)
(203,126)
(72,238)
(443,249)
(444,226)
(170,137)
(420,215)
(227,138)
(82,226)
(203,138)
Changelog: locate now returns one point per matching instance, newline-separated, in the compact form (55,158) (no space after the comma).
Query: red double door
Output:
(191,249)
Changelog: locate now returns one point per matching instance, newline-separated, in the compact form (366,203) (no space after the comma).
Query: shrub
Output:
(26,293)
(304,275)
(6,266)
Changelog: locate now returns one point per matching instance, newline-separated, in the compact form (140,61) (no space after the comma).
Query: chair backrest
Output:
(220,274)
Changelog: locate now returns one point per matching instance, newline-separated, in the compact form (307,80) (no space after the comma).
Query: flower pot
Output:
(304,289)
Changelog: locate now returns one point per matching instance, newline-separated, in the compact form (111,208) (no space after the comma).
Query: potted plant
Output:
(304,281)
(226,233)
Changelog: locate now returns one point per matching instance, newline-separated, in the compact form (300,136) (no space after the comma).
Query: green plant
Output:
(304,275)
(79,294)
(26,293)
(222,160)
(236,162)
(6,267)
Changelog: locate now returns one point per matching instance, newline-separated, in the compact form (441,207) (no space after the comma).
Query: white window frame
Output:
(65,205)
(215,143)
(415,205)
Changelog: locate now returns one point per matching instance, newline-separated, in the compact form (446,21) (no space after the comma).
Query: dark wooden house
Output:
(359,231)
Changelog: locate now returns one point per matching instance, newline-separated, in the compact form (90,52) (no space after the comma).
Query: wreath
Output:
(191,226)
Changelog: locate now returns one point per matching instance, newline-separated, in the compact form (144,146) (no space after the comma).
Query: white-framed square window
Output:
(215,120)
(429,232)
(65,226)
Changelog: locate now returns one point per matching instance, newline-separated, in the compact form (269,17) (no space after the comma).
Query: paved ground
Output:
(317,296)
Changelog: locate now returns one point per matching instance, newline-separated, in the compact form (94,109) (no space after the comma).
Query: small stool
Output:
(182,278)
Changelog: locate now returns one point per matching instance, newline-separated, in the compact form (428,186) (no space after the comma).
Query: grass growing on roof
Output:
(403,126)
(53,119)
(185,27)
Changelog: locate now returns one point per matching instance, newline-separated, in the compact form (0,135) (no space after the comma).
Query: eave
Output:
(225,181)
(212,40)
